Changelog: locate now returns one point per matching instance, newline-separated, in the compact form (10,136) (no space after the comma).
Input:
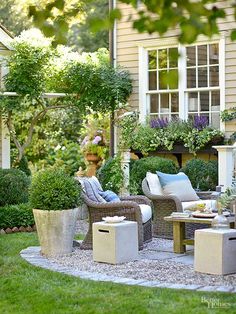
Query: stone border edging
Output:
(32,255)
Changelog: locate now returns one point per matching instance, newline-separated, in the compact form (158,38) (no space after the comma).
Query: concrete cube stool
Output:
(215,251)
(115,243)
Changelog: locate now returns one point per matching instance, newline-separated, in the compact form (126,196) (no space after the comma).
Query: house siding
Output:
(127,54)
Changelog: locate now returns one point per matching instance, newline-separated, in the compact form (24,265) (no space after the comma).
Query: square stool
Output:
(215,251)
(115,243)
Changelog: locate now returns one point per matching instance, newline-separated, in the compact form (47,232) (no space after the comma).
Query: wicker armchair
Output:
(166,204)
(128,207)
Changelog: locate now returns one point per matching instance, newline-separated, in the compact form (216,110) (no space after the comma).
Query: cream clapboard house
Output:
(206,71)
(5,49)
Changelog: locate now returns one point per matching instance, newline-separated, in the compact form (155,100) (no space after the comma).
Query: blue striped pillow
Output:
(109,196)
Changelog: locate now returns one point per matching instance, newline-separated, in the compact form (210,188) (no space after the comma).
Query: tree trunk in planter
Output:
(56,230)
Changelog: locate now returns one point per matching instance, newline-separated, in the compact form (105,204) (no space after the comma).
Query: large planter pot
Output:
(56,230)
(92,164)
(92,157)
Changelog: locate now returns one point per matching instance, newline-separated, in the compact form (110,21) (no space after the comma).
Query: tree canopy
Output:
(192,17)
(35,67)
(14,16)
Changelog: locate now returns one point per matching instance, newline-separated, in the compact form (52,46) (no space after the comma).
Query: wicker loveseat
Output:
(164,205)
(127,206)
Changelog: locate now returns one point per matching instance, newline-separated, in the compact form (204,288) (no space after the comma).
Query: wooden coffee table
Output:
(180,241)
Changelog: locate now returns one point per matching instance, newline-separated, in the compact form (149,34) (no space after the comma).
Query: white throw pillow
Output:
(178,185)
(154,183)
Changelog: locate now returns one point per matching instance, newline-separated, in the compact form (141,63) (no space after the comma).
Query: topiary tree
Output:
(142,166)
(54,189)
(14,185)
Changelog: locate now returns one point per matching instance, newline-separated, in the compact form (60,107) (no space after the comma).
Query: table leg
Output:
(179,235)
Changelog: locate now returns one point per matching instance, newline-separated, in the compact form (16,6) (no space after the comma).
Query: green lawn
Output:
(28,289)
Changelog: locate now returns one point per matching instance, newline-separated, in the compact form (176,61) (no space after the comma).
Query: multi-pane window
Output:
(203,92)
(200,82)
(163,77)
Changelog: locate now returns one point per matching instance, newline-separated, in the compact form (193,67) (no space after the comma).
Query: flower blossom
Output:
(96,140)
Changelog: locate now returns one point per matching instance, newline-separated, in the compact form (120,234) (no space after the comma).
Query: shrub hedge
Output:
(14,187)
(16,216)
(140,167)
(202,174)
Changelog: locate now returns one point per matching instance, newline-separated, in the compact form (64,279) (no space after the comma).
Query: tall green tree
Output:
(88,81)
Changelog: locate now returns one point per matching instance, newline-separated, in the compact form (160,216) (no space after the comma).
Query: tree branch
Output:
(36,118)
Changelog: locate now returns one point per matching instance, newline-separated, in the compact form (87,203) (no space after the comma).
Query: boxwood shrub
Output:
(16,216)
(142,166)
(202,174)
(110,175)
(54,189)
(14,187)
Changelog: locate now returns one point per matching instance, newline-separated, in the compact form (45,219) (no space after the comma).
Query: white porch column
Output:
(5,147)
(125,161)
(225,165)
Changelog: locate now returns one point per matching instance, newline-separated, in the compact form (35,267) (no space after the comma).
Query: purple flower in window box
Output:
(200,122)
(159,123)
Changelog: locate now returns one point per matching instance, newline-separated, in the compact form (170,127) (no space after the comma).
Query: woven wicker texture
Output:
(164,206)
(128,207)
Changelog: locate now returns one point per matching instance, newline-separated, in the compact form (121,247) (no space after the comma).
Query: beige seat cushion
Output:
(146,212)
(190,205)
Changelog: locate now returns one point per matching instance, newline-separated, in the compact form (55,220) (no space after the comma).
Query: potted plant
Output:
(54,196)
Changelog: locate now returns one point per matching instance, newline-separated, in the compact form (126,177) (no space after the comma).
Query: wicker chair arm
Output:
(112,205)
(139,199)
(208,195)
(161,198)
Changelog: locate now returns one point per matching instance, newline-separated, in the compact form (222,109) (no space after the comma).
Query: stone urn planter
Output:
(56,230)
(92,164)
(55,198)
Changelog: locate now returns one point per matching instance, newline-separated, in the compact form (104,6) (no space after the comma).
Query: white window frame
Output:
(144,47)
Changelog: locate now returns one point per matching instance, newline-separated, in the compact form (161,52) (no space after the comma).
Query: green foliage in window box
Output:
(228,114)
(54,189)
(146,138)
(152,164)
(14,185)
(202,174)
(110,175)
(16,216)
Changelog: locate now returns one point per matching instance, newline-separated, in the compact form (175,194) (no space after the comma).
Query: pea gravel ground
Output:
(156,262)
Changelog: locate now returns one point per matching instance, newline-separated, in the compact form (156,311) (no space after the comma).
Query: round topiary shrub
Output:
(14,187)
(54,189)
(110,175)
(142,166)
(202,174)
